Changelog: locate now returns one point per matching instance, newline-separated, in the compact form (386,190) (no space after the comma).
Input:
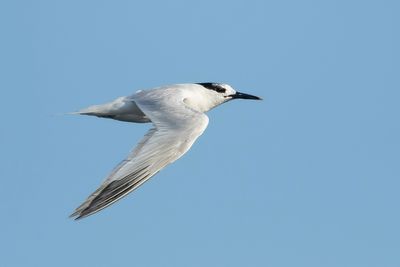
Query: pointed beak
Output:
(245,96)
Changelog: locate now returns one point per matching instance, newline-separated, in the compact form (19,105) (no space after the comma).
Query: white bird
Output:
(177,114)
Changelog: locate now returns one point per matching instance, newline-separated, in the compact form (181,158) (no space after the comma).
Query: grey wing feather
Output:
(109,193)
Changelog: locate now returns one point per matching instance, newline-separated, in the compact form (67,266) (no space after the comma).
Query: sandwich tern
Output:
(177,113)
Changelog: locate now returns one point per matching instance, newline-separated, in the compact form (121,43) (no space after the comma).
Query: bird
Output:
(177,113)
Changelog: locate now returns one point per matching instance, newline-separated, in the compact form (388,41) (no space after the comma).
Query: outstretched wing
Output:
(176,127)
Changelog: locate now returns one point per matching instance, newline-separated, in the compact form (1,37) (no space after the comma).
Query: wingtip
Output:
(78,215)
(74,215)
(77,218)
(82,212)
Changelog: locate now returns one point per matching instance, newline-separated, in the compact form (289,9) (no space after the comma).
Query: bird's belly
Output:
(131,118)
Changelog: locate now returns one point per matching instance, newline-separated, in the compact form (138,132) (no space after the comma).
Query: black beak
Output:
(245,96)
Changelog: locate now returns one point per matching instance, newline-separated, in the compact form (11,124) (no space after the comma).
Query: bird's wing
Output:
(176,127)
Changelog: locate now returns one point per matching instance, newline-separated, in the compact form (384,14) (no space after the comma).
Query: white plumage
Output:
(177,114)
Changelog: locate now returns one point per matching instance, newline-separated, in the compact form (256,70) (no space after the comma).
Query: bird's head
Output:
(218,93)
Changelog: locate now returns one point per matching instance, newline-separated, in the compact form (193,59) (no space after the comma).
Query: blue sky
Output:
(307,177)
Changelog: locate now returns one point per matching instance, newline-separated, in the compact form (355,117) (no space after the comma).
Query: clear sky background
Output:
(308,177)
